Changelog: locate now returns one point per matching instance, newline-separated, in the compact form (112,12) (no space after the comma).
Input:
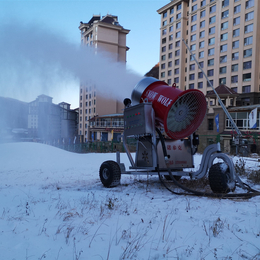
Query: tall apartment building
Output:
(104,33)
(223,35)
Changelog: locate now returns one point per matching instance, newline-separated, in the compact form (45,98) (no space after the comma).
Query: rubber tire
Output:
(110,174)
(219,178)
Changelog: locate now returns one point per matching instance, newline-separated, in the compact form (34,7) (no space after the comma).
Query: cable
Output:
(250,194)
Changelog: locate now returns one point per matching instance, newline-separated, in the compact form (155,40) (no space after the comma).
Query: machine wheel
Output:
(110,174)
(219,178)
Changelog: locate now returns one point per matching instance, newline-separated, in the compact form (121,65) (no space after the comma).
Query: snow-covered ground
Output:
(53,206)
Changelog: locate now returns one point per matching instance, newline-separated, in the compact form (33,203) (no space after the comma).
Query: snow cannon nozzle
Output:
(179,112)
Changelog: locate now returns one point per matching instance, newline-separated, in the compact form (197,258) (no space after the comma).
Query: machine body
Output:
(163,120)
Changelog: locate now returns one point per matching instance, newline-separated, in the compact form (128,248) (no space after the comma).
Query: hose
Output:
(251,192)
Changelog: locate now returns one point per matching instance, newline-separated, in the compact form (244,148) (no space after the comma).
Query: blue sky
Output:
(63,17)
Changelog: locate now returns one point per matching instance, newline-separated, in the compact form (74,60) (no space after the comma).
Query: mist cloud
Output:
(35,60)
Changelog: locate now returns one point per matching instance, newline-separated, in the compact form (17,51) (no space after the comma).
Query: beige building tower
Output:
(225,38)
(104,33)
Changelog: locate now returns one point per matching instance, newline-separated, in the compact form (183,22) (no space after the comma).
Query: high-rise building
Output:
(104,33)
(223,35)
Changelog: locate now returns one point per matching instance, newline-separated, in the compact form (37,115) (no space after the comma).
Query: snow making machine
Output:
(163,120)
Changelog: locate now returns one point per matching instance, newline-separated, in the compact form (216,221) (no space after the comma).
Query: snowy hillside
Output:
(53,206)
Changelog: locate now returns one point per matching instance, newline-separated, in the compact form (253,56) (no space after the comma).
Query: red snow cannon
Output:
(179,112)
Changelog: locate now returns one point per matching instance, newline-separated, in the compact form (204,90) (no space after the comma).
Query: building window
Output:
(224,26)
(224,36)
(163,57)
(193,38)
(164,23)
(210,124)
(177,53)
(223,59)
(200,75)
(169,72)
(178,16)
(235,56)
(212,41)
(178,25)
(212,30)
(249,28)
(191,86)
(171,29)
(169,82)
(176,80)
(235,45)
(249,16)
(211,73)
(212,19)
(222,81)
(163,66)
(236,21)
(200,85)
(212,9)
(194,8)
(247,65)
(237,9)
(211,82)
(176,71)
(246,89)
(234,89)
(202,24)
(248,40)
(225,3)
(247,77)
(191,76)
(202,34)
(193,47)
(170,46)
(171,36)
(223,48)
(162,74)
(224,14)
(211,51)
(201,44)
(201,54)
(163,48)
(193,28)
(236,32)
(234,79)
(202,3)
(202,14)
(201,64)
(249,4)
(178,35)
(234,68)
(211,62)
(247,53)
(222,70)
(194,18)
(192,67)
(177,62)
(177,44)
(178,7)
(165,14)
(172,10)
(171,19)
(170,55)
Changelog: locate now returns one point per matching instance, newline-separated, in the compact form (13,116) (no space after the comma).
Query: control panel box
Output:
(138,120)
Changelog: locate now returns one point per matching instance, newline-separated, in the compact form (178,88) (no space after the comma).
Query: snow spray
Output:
(36,61)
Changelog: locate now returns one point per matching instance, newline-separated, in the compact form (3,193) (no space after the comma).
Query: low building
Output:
(106,128)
